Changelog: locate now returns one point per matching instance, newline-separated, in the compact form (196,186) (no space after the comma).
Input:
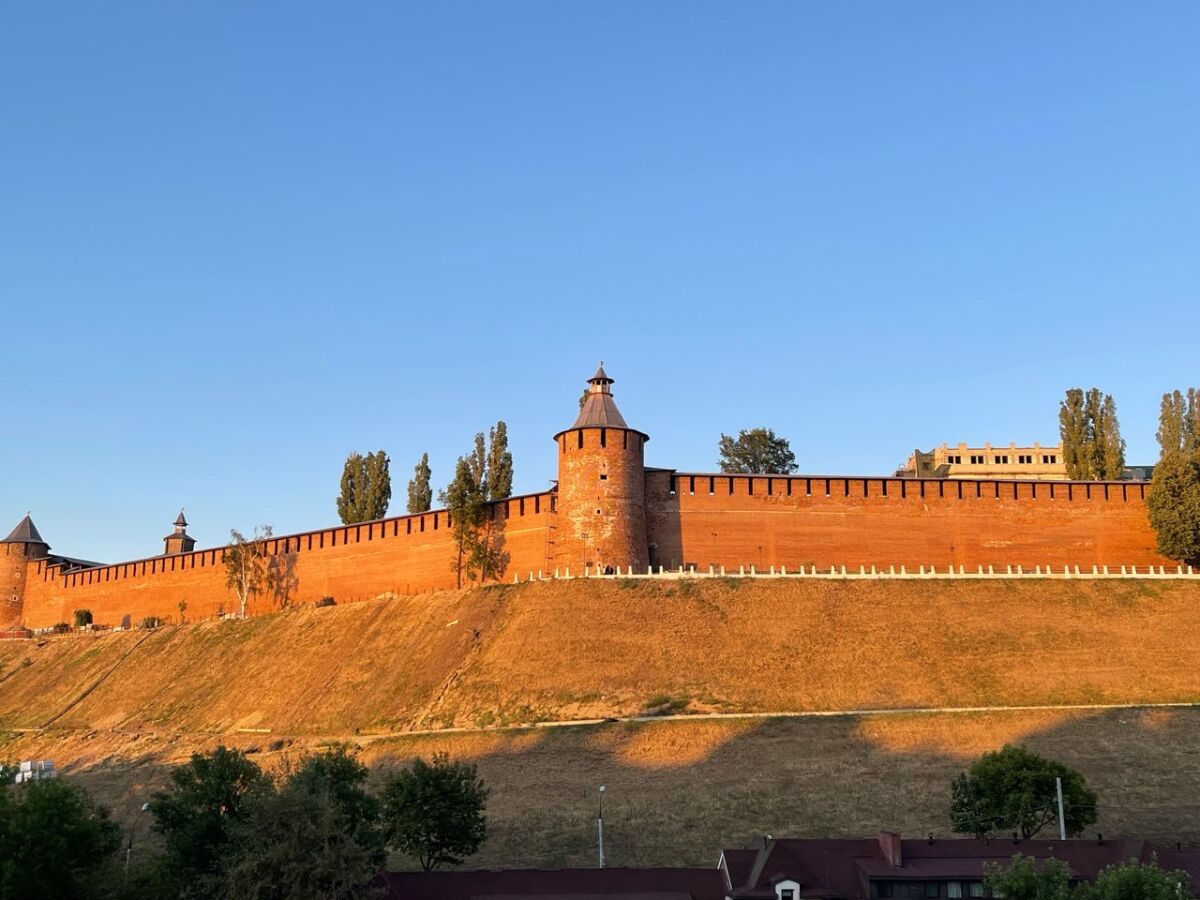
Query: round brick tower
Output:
(601,488)
(22,545)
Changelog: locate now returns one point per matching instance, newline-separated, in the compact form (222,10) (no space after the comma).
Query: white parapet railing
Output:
(879,573)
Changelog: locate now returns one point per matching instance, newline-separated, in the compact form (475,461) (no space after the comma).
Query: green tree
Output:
(1025,879)
(301,842)
(499,463)
(756,451)
(1091,436)
(1173,506)
(55,841)
(339,775)
(245,559)
(464,503)
(1012,789)
(1073,432)
(1179,422)
(477,461)
(420,492)
(366,488)
(435,812)
(1135,880)
(201,811)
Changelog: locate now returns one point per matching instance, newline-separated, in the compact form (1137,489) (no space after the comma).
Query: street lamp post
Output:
(600,826)
(129,846)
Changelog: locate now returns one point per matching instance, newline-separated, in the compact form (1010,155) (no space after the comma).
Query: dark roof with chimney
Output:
(25,533)
(558,884)
(842,869)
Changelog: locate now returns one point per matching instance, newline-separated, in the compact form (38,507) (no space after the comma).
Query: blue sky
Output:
(239,240)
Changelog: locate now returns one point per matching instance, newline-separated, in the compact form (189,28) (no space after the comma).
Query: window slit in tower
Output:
(603,437)
(903,490)
(712,486)
(579,436)
(624,440)
(789,487)
(846,487)
(691,484)
(883,485)
(750,486)
(730,479)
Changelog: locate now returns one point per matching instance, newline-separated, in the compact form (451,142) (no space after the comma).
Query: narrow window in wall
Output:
(712,486)
(321,541)
(435,521)
(789,487)
(1070,491)
(730,480)
(922,488)
(333,538)
(358,534)
(1105,491)
(671,486)
(172,564)
(1124,492)
(978,489)
(1034,484)
(1087,488)
(942,488)
(884,484)
(521,507)
(903,490)
(692,484)
(408,526)
(750,485)
(997,490)
(537,505)
(845,487)
(827,487)
(603,437)
(807,487)
(1052,490)
(579,435)
(422,523)
(770,487)
(624,440)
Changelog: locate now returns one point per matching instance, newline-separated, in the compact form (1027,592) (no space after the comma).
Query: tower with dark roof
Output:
(22,545)
(601,505)
(179,541)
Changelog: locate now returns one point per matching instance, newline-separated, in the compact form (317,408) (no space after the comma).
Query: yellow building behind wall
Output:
(1031,463)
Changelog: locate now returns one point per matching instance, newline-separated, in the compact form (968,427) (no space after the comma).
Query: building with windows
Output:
(1032,463)
(889,868)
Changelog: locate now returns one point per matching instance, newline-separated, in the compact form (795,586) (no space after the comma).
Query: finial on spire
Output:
(601,377)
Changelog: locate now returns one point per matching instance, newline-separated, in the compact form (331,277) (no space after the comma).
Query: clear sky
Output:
(239,240)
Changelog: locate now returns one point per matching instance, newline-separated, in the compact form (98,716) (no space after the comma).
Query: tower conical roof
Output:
(599,410)
(25,533)
(180,520)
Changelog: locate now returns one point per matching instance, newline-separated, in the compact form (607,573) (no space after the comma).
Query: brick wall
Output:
(757,520)
(402,555)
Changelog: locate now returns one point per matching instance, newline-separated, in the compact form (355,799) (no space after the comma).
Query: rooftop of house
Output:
(558,884)
(845,868)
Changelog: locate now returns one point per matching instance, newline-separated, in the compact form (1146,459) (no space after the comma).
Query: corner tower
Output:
(23,545)
(601,487)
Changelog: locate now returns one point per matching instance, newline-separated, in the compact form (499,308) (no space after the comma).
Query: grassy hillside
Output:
(116,710)
(565,650)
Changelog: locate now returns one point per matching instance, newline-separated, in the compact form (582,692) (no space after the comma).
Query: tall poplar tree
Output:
(477,460)
(366,488)
(1091,436)
(1173,505)
(1073,431)
(499,463)
(420,492)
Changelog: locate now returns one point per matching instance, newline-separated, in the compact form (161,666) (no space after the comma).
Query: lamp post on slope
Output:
(129,846)
(600,826)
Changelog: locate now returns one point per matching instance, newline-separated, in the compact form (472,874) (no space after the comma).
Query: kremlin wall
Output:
(609,510)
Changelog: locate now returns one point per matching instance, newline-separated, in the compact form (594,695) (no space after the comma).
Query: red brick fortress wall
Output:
(601,499)
(743,520)
(403,555)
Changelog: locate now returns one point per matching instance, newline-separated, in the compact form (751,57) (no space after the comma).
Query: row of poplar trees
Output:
(483,475)
(1094,450)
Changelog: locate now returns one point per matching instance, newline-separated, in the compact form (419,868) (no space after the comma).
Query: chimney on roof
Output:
(889,846)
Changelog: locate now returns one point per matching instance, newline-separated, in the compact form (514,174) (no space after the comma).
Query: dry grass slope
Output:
(123,707)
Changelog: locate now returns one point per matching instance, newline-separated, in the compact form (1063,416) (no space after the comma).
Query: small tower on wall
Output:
(22,546)
(179,541)
(601,487)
